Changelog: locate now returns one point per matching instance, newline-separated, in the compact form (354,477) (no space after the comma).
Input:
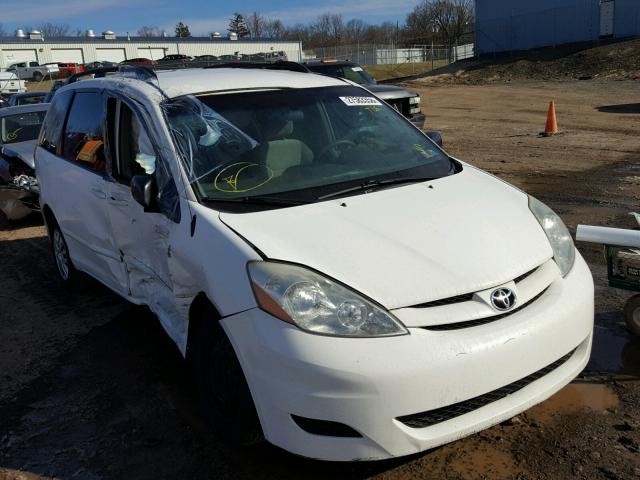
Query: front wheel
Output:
(225,399)
(632,314)
(67,273)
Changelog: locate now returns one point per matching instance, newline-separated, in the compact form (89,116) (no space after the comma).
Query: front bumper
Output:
(367,384)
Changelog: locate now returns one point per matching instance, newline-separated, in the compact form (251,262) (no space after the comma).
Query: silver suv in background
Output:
(406,102)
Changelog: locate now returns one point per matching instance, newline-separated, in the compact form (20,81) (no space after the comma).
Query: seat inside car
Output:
(283,149)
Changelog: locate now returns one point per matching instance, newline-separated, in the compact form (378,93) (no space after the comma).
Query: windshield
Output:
(355,73)
(21,127)
(296,143)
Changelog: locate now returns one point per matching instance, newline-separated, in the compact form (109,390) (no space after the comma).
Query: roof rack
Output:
(131,71)
(148,73)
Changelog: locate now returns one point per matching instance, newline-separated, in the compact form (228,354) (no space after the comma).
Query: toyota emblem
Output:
(503,299)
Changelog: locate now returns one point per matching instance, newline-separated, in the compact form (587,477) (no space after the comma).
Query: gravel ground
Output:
(91,387)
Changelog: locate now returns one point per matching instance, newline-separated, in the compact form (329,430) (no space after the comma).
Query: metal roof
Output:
(132,39)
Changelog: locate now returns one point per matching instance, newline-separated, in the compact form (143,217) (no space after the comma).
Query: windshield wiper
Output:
(371,185)
(258,200)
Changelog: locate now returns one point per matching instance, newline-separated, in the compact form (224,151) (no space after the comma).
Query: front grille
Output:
(465,297)
(482,321)
(400,104)
(524,275)
(439,415)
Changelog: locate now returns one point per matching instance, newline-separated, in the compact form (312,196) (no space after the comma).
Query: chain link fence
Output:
(388,61)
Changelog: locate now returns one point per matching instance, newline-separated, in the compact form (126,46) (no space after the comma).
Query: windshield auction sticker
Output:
(360,101)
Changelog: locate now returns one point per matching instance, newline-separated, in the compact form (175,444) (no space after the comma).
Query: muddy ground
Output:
(91,388)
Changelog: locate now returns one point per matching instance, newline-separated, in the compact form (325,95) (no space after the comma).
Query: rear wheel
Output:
(632,314)
(224,396)
(67,273)
(37,76)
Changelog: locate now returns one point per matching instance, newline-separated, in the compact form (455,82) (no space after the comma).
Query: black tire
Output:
(224,396)
(67,273)
(632,314)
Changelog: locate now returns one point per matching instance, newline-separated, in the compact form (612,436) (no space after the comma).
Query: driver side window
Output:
(132,152)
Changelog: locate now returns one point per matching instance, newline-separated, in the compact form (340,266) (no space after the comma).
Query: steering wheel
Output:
(335,147)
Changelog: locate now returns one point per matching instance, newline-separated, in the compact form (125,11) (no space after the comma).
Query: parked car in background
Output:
(10,83)
(175,57)
(205,58)
(404,101)
(67,69)
(34,71)
(4,102)
(19,130)
(139,61)
(27,98)
(99,64)
(336,281)
(230,58)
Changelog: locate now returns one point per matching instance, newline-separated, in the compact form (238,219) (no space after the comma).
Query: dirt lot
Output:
(91,388)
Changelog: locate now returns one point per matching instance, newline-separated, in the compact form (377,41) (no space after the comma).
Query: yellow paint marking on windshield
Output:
(374,109)
(423,151)
(231,180)
(228,178)
(13,135)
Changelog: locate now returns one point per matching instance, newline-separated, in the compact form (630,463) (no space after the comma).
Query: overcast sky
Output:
(202,16)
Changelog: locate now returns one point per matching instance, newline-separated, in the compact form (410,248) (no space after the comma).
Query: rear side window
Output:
(83,136)
(51,133)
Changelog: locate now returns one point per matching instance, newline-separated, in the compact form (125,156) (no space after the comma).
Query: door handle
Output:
(98,192)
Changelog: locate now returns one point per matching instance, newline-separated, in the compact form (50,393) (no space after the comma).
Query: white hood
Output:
(408,245)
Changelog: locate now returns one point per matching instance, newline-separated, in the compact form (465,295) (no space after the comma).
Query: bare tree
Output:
(354,30)
(336,28)
(49,29)
(256,25)
(274,29)
(441,20)
(150,31)
(385,33)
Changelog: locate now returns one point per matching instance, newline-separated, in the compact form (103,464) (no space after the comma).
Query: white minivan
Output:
(340,285)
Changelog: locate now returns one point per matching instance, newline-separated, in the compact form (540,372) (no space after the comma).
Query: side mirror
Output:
(144,191)
(436,137)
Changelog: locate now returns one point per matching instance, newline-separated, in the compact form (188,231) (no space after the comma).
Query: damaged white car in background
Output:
(19,130)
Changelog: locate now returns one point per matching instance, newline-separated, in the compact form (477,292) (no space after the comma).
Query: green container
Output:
(623,267)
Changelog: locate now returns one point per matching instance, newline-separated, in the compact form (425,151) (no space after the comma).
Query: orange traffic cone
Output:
(551,128)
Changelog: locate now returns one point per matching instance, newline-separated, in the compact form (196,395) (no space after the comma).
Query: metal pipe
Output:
(608,236)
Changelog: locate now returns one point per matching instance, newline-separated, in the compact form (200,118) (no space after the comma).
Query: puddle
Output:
(575,398)
(486,462)
(614,349)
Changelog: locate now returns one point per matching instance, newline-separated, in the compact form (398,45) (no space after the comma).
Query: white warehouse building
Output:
(110,47)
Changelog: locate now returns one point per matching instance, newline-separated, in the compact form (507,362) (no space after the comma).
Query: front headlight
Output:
(564,252)
(414,104)
(318,304)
